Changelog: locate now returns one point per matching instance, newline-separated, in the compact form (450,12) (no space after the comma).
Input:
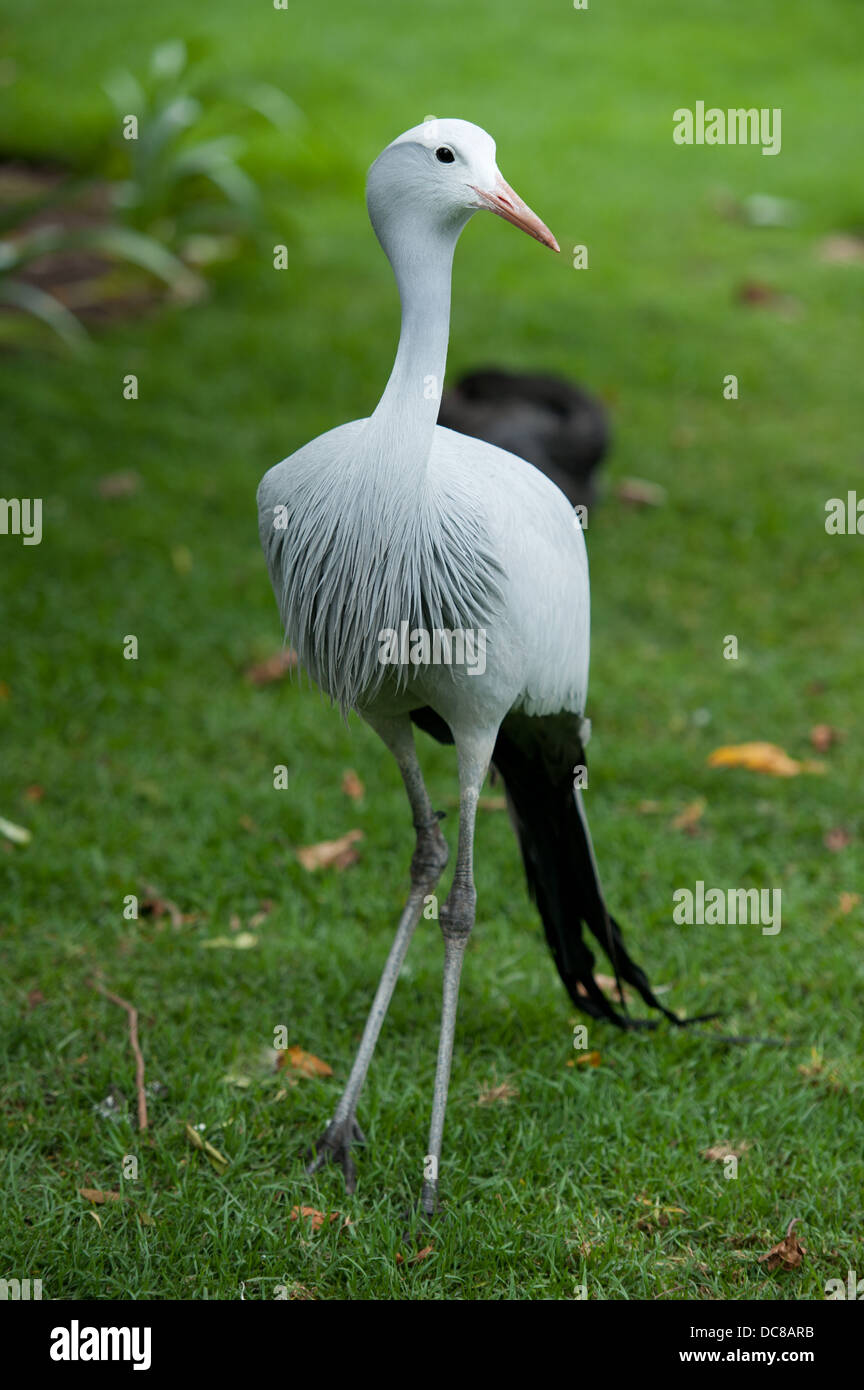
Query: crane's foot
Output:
(422,1218)
(334,1146)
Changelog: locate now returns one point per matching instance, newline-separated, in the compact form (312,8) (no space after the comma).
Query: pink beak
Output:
(510,206)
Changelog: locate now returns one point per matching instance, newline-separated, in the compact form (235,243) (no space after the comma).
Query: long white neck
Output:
(401,429)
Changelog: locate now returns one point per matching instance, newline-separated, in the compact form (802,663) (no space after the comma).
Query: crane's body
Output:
(394,524)
(525,544)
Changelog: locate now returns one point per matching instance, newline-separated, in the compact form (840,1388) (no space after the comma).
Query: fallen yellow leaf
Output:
(757,757)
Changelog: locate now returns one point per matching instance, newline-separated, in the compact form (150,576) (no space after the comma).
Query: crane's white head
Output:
(435,177)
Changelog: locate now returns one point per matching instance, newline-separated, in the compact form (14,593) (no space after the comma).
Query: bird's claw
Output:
(334,1146)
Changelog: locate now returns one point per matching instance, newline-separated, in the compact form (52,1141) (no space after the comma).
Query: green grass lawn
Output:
(160,771)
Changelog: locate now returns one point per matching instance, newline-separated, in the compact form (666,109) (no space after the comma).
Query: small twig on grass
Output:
(133,1040)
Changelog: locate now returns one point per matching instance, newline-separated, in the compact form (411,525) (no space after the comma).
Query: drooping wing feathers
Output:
(349,557)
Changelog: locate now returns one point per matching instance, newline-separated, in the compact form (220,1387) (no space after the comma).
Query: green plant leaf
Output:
(207,155)
(236,184)
(125,93)
(271,103)
(127,245)
(45,307)
(141,250)
(168,60)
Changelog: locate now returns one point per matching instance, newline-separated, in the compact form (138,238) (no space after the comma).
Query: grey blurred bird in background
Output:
(557,426)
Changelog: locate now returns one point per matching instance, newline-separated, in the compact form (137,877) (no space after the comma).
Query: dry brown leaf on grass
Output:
(717,1152)
(352,786)
(688,819)
(300,1293)
(316,1218)
(759,295)
(837,839)
(275,668)
(124,484)
(759,757)
(294,1059)
(156,907)
(824,736)
(588,1059)
(34,793)
(848,902)
(503,1092)
(788,1253)
(637,492)
(331,854)
(96,1194)
(415,1259)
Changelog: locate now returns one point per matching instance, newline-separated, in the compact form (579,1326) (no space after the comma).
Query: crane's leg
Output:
(427,865)
(457,920)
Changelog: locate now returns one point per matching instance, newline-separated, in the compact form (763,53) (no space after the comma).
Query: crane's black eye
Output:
(444,155)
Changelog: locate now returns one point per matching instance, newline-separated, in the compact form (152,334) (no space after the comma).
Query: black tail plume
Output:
(536,757)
